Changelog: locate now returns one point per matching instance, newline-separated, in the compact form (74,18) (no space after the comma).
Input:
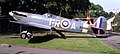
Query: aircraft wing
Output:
(33,24)
(39,25)
(17,22)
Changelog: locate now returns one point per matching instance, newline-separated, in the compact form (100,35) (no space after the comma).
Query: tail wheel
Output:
(23,35)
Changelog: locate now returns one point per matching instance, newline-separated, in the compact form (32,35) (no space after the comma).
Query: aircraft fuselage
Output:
(57,22)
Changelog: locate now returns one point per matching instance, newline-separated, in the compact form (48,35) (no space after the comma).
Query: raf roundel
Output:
(65,23)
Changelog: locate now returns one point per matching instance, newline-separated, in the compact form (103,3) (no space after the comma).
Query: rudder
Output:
(99,27)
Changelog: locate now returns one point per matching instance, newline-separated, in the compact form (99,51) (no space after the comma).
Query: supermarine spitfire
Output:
(58,24)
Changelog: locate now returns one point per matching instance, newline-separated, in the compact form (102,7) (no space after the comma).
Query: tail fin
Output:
(99,27)
(109,23)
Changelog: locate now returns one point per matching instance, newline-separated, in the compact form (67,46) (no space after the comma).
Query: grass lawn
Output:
(71,44)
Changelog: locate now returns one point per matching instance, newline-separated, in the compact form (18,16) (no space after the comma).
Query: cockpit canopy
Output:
(49,15)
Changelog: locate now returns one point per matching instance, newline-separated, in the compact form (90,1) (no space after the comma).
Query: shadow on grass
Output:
(15,37)
(40,39)
(80,37)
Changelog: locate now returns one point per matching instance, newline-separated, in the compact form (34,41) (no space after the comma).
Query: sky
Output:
(108,5)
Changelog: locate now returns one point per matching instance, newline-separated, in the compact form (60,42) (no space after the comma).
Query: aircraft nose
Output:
(11,14)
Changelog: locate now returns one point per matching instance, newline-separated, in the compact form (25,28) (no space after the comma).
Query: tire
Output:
(23,36)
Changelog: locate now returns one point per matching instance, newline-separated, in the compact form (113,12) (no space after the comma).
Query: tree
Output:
(5,7)
(3,0)
(97,10)
(110,14)
(66,8)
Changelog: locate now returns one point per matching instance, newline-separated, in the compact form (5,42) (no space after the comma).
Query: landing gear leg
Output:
(51,31)
(61,34)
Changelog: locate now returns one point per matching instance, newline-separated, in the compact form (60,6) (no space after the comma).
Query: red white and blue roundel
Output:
(65,23)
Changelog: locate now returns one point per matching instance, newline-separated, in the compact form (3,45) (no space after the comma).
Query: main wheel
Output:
(23,36)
